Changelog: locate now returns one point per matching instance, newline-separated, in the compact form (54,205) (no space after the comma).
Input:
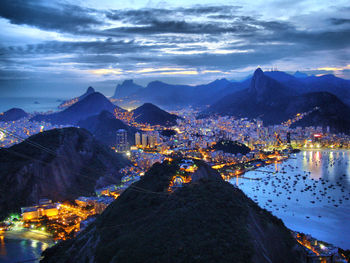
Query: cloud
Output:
(58,17)
(191,42)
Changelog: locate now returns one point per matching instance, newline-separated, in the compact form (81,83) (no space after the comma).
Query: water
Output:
(29,104)
(19,246)
(310,192)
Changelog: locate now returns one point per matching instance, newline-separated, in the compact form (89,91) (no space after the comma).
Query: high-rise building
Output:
(122,141)
(137,138)
(144,140)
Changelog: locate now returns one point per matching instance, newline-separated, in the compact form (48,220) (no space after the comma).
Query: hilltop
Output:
(149,113)
(72,163)
(13,114)
(91,105)
(208,220)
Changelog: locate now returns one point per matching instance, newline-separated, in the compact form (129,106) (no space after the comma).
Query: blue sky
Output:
(50,48)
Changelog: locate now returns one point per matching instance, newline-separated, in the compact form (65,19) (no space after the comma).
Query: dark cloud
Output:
(340,21)
(159,37)
(108,46)
(62,17)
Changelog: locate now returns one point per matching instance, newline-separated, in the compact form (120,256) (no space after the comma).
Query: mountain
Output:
(302,83)
(275,103)
(171,95)
(207,220)
(72,163)
(329,83)
(91,105)
(13,114)
(300,75)
(104,127)
(67,103)
(153,115)
(125,89)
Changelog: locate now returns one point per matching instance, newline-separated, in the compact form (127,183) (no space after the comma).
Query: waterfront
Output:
(310,192)
(22,245)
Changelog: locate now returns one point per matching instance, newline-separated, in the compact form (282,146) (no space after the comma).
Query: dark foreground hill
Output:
(275,103)
(208,220)
(73,163)
(153,115)
(91,105)
(13,114)
(104,127)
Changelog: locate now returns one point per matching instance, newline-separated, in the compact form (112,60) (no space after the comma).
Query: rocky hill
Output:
(13,114)
(104,127)
(153,115)
(91,105)
(127,88)
(57,164)
(275,103)
(67,103)
(207,220)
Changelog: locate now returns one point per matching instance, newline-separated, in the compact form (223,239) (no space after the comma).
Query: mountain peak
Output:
(258,72)
(90,90)
(13,114)
(127,88)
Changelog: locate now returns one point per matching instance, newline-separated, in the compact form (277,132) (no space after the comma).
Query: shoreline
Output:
(27,234)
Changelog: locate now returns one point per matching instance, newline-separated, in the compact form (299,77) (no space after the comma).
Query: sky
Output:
(59,48)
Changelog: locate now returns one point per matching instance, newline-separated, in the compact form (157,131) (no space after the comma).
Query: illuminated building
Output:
(144,140)
(122,141)
(137,138)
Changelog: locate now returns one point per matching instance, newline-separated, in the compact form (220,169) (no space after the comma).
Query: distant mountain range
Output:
(275,102)
(67,103)
(89,106)
(72,163)
(207,220)
(104,127)
(170,95)
(153,115)
(13,114)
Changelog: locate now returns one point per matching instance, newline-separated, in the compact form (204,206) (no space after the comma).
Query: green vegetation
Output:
(231,147)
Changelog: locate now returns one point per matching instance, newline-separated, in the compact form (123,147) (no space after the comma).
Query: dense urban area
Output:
(230,145)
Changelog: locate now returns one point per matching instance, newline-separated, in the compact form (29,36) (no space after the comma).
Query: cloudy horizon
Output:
(58,47)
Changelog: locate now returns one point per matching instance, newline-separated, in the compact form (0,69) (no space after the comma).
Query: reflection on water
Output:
(310,192)
(17,250)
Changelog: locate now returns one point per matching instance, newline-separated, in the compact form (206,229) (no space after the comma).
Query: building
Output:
(45,208)
(144,140)
(137,138)
(122,141)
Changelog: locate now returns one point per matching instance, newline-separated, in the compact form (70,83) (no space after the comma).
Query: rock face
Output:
(151,114)
(104,127)
(275,103)
(208,220)
(13,114)
(72,163)
(127,88)
(91,105)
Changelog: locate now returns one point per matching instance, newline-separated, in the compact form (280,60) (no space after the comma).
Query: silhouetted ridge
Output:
(104,127)
(208,220)
(13,114)
(275,103)
(153,115)
(91,105)
(74,164)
